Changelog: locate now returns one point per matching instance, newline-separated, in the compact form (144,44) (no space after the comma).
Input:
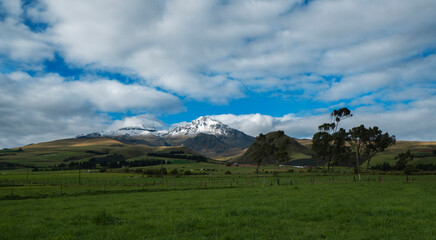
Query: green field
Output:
(318,209)
(342,210)
(214,202)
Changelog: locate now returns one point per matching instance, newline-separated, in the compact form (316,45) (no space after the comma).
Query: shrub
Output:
(174,172)
(102,170)
(187,172)
(228,172)
(290,170)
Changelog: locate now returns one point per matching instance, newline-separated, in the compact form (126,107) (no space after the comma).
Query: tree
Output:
(321,147)
(259,145)
(368,142)
(403,159)
(377,142)
(266,150)
(340,151)
(329,141)
(281,152)
(338,115)
(273,148)
(357,144)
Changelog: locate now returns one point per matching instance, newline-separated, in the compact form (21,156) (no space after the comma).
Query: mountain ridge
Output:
(204,135)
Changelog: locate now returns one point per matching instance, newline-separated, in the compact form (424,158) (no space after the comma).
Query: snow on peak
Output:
(138,127)
(203,124)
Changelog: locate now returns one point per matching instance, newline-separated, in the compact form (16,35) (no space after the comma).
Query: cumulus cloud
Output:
(254,124)
(142,121)
(209,50)
(49,107)
(17,41)
(416,74)
(367,54)
(215,51)
(412,122)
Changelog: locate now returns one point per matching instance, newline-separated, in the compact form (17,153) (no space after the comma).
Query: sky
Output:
(74,67)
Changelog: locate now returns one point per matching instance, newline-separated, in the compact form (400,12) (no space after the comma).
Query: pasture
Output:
(203,200)
(240,205)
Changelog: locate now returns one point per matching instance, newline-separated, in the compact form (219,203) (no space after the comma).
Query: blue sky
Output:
(72,67)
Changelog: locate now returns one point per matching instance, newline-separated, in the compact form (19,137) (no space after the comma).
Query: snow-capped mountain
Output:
(204,135)
(205,125)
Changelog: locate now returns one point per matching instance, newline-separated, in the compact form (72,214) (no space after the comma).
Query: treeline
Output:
(179,155)
(109,161)
(335,146)
(387,167)
(9,165)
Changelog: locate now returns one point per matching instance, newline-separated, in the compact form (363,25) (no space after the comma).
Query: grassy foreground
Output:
(344,210)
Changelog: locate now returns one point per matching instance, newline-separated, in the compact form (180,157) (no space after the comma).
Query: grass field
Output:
(391,209)
(216,202)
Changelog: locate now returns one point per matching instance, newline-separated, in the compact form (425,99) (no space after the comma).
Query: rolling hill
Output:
(78,150)
(280,142)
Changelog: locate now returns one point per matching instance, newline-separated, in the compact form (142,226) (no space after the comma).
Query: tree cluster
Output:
(269,151)
(179,155)
(110,161)
(333,145)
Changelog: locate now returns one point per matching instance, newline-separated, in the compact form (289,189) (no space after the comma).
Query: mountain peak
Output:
(204,124)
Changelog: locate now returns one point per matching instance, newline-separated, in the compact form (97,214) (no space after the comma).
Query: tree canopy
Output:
(332,144)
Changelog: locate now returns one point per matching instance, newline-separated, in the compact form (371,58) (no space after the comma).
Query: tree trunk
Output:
(258,166)
(357,161)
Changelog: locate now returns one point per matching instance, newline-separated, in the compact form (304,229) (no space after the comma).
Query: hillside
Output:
(280,142)
(78,150)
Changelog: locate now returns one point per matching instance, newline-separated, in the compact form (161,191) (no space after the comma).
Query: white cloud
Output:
(143,121)
(374,54)
(208,50)
(416,74)
(254,124)
(413,122)
(42,108)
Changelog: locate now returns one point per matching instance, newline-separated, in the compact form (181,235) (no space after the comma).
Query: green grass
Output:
(345,210)
(122,204)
